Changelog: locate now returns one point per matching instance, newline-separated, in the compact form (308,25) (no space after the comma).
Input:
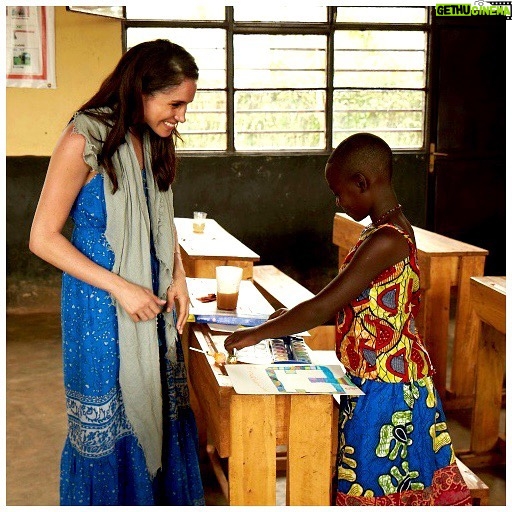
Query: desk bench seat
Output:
(282,291)
(478,489)
(278,288)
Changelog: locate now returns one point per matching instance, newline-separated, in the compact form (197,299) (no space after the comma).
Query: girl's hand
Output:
(241,339)
(139,302)
(178,293)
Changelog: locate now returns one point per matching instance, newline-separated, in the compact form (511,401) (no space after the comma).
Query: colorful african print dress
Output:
(394,447)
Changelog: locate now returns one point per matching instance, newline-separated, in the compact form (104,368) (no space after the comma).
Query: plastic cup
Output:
(199,222)
(228,286)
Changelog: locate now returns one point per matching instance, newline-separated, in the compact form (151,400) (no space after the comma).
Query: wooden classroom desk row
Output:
(444,264)
(247,429)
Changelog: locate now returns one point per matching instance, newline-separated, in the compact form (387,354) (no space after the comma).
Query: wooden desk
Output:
(444,263)
(202,252)
(247,428)
(488,302)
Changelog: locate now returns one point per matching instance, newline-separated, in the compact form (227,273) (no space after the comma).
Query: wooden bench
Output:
(284,292)
(478,489)
(487,444)
(278,288)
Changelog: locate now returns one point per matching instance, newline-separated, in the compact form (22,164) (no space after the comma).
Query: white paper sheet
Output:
(251,379)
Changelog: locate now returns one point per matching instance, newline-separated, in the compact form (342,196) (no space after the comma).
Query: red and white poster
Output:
(30,44)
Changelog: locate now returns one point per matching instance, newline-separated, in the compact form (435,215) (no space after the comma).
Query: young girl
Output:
(394,448)
(132,437)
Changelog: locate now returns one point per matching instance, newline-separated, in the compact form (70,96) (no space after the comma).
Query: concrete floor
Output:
(36,418)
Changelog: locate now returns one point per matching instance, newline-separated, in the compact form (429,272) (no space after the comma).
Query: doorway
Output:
(466,183)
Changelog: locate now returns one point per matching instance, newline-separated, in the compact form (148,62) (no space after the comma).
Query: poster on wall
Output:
(30,45)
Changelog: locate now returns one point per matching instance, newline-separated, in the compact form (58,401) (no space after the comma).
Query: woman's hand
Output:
(139,302)
(241,339)
(178,293)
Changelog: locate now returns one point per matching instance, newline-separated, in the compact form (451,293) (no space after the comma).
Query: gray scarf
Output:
(128,232)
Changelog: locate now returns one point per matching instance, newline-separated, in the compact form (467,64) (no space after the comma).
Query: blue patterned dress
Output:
(102,462)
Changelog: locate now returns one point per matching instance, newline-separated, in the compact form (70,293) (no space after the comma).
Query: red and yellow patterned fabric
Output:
(376,336)
(448,488)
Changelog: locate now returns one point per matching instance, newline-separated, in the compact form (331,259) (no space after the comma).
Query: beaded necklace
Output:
(396,208)
(373,225)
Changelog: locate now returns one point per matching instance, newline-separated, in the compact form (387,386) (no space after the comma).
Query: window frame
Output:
(328,29)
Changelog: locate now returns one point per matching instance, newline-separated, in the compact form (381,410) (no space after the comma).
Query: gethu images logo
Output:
(478,8)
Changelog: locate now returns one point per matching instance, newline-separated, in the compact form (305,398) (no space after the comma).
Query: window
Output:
(269,112)
(298,79)
(379,84)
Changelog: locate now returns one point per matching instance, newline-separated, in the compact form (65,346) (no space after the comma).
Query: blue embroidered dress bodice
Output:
(102,461)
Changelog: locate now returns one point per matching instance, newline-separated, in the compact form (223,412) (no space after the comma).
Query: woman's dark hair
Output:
(144,69)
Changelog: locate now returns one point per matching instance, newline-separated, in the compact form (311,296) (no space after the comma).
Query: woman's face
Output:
(164,109)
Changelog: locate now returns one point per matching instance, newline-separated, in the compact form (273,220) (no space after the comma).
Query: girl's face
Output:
(348,191)
(164,109)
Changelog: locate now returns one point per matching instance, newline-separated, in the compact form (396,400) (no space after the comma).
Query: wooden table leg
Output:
(489,384)
(194,402)
(252,459)
(465,343)
(309,472)
(435,314)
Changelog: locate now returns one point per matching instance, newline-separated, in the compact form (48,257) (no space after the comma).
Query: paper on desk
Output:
(250,379)
(255,354)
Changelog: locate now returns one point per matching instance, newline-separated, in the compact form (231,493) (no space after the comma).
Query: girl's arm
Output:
(66,175)
(381,250)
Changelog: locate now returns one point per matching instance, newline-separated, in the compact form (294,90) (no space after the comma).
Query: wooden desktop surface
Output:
(203,252)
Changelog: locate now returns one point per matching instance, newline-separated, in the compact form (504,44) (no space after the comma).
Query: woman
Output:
(132,437)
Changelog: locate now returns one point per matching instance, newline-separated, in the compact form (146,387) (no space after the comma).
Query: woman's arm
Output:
(66,175)
(178,292)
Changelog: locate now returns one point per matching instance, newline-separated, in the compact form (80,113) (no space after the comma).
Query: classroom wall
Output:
(278,205)
(86,50)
